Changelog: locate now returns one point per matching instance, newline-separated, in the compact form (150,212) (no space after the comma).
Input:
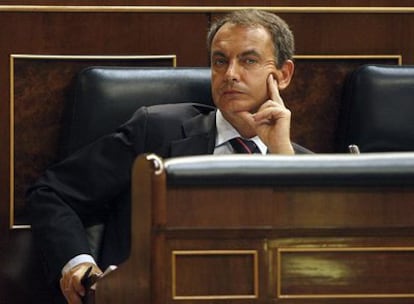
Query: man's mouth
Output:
(231,92)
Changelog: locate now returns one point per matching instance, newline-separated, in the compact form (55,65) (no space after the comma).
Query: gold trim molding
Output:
(204,9)
(398,58)
(255,270)
(280,251)
(94,57)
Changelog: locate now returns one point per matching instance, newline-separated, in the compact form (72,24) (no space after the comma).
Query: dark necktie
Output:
(241,145)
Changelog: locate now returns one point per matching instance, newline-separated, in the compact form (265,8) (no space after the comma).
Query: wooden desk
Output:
(273,229)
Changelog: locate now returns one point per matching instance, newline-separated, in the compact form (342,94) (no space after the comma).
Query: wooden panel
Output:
(92,34)
(353,273)
(244,261)
(293,208)
(315,96)
(214,274)
(41,85)
(352,33)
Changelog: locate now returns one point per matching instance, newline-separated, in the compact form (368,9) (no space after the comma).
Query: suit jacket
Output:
(93,184)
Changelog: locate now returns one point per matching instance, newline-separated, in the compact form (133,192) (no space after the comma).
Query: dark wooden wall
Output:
(375,29)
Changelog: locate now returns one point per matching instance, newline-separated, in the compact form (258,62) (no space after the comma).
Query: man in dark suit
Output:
(251,60)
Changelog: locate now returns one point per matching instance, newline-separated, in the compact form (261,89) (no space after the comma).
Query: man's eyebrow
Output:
(245,53)
(218,53)
(250,52)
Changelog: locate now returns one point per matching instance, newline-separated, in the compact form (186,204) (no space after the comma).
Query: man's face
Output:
(241,60)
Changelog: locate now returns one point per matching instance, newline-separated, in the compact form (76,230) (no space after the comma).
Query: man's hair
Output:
(282,36)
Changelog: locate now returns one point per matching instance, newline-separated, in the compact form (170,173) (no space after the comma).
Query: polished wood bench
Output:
(269,229)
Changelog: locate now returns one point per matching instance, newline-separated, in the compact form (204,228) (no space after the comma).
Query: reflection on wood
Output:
(350,272)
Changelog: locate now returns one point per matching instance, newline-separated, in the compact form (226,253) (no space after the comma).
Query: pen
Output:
(85,276)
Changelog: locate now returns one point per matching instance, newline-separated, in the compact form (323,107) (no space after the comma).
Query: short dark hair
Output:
(282,36)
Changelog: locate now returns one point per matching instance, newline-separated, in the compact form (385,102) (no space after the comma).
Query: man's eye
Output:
(250,61)
(219,62)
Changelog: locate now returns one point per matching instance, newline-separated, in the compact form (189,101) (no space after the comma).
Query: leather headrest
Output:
(105,97)
(378,107)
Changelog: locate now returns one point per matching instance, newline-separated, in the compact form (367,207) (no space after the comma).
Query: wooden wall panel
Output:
(42,87)
(88,34)
(354,34)
(314,97)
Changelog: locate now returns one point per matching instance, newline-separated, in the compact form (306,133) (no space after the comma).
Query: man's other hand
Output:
(71,285)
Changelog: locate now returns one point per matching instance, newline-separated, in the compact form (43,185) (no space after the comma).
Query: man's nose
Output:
(232,72)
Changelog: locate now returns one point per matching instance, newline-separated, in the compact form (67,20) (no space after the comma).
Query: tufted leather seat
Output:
(378,107)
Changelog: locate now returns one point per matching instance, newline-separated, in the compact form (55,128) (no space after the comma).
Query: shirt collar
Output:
(225,132)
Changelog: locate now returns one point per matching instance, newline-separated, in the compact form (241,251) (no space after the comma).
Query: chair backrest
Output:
(378,107)
(105,97)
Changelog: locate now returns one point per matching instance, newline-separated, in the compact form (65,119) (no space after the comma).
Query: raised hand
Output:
(272,121)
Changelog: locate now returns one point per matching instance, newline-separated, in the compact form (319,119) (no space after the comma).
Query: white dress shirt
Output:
(225,132)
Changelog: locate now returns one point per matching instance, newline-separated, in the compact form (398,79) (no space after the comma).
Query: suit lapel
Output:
(199,136)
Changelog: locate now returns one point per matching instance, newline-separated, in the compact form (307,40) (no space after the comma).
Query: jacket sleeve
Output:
(79,188)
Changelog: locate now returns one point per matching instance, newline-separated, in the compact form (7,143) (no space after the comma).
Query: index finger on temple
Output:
(273,88)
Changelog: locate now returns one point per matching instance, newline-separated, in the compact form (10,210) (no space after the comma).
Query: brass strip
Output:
(173,58)
(215,297)
(350,296)
(397,57)
(254,253)
(95,57)
(336,249)
(11,180)
(342,249)
(202,9)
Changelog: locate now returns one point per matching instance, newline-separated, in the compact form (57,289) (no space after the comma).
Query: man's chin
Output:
(235,105)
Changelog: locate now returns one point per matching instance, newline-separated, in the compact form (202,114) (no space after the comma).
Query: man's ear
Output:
(285,74)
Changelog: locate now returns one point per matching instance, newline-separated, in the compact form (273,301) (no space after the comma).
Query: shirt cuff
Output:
(81,258)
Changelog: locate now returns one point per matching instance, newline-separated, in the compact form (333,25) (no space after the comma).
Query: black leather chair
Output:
(378,107)
(105,97)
